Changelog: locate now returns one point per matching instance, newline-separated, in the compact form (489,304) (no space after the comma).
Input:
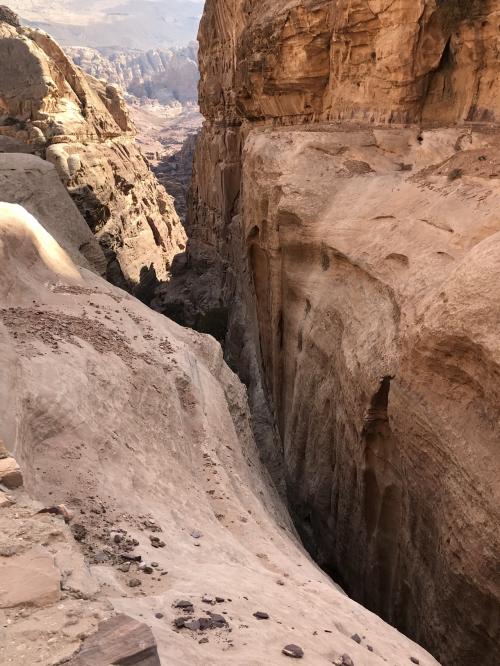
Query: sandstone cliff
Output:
(143,433)
(50,107)
(344,221)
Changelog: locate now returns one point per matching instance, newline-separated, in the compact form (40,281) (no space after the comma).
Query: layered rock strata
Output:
(141,430)
(343,217)
(50,107)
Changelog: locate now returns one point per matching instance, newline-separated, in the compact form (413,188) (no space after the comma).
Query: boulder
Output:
(119,640)
(10,473)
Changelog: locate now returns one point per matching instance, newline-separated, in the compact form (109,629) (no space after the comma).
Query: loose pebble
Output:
(294,651)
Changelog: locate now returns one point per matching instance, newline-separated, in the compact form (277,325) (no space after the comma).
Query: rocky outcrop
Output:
(141,430)
(9,17)
(161,88)
(10,472)
(343,219)
(49,107)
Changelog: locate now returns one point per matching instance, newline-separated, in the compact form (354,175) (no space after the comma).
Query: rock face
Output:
(354,258)
(48,106)
(141,430)
(369,60)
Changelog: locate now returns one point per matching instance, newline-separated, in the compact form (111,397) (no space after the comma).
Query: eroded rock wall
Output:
(378,345)
(343,209)
(371,60)
(48,106)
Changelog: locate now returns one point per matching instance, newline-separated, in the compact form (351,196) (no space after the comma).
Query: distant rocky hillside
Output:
(166,75)
(161,89)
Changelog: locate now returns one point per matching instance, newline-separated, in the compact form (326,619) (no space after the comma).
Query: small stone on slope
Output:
(260,615)
(134,582)
(79,531)
(10,473)
(293,651)
(183,603)
(5,500)
(208,600)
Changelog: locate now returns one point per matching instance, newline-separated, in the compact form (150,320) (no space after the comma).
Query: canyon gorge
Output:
(289,448)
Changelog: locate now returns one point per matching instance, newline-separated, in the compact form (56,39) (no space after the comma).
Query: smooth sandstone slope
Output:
(48,106)
(35,184)
(348,241)
(140,429)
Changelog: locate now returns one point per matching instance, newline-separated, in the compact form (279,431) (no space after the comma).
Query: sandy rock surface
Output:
(139,428)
